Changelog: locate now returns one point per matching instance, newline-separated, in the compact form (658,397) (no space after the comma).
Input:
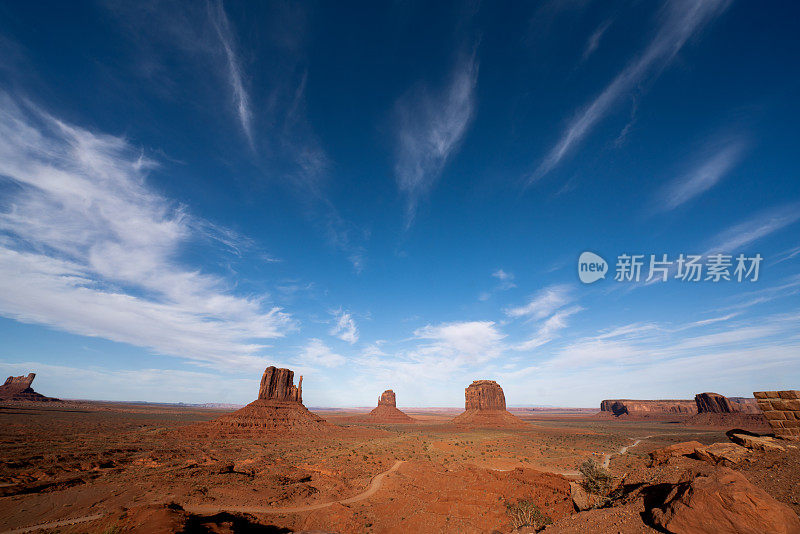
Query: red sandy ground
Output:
(121,465)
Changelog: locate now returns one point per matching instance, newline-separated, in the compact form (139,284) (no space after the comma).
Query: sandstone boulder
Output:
(662,455)
(723,501)
(753,442)
(582,500)
(726,454)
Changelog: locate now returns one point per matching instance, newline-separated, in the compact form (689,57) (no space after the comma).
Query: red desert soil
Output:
(122,465)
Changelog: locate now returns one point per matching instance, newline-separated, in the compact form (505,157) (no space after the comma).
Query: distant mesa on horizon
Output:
(485,406)
(716,403)
(18,388)
(279,406)
(387,411)
(712,408)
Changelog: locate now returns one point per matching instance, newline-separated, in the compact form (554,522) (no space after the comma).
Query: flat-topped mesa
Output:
(387,398)
(18,388)
(485,405)
(648,407)
(387,411)
(484,395)
(278,384)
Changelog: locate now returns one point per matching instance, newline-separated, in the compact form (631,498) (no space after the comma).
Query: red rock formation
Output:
(279,406)
(484,395)
(744,405)
(713,403)
(648,407)
(387,412)
(723,501)
(387,398)
(278,384)
(485,405)
(18,388)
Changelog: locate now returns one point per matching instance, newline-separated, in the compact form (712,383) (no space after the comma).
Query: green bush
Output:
(596,479)
(525,513)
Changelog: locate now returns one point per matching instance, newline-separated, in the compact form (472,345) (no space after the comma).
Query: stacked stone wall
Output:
(782,411)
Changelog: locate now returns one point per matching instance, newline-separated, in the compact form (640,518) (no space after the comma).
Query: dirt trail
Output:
(607,456)
(374,485)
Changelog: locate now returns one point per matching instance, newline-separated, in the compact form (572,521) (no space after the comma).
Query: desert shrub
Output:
(596,479)
(525,513)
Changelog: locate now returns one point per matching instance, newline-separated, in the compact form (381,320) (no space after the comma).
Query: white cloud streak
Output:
(430,129)
(757,227)
(543,303)
(681,21)
(241,100)
(90,249)
(345,327)
(594,40)
(701,179)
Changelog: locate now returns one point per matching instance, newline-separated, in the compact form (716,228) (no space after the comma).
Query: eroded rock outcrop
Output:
(18,388)
(278,384)
(485,405)
(279,406)
(722,501)
(713,403)
(716,403)
(387,411)
(648,407)
(387,398)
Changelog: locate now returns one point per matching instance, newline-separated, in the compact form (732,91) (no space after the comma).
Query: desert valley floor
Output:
(108,467)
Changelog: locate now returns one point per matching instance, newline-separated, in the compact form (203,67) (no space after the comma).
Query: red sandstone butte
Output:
(18,388)
(485,405)
(387,412)
(279,406)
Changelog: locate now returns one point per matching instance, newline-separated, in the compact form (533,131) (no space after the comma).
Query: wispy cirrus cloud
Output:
(543,303)
(757,227)
(700,179)
(548,310)
(89,248)
(594,39)
(222,26)
(431,126)
(345,327)
(681,20)
(549,328)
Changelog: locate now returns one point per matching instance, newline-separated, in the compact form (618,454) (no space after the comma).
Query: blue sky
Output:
(395,195)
